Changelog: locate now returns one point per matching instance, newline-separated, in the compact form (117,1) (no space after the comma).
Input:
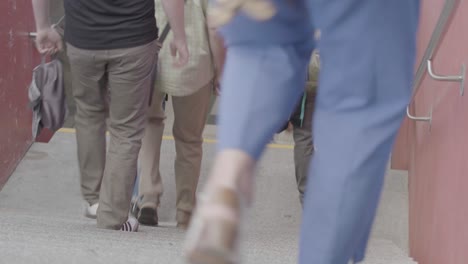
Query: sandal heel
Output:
(214,234)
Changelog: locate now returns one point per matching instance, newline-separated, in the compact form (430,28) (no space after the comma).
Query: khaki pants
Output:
(127,75)
(303,146)
(190,113)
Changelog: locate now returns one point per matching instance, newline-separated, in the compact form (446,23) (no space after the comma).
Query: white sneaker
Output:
(91,211)
(131,225)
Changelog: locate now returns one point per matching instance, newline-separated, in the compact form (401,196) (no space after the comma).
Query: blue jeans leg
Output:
(367,49)
(261,86)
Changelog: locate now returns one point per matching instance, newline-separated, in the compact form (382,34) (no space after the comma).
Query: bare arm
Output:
(217,47)
(218,50)
(41,14)
(48,41)
(174,10)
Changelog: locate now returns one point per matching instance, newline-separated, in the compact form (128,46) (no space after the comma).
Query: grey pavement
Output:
(42,222)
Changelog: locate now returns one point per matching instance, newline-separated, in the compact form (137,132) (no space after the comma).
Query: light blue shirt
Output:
(291,24)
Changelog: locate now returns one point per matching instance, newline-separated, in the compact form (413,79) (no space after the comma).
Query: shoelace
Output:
(222,11)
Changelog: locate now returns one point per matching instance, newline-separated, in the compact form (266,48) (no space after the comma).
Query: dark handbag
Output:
(47,97)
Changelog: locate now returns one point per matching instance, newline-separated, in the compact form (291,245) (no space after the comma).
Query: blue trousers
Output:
(367,50)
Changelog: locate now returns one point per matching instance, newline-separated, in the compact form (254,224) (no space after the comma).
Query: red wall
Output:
(17,59)
(436,156)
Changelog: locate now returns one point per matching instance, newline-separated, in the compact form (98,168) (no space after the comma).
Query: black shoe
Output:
(148,216)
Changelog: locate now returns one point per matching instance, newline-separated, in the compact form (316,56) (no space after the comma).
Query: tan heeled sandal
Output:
(214,233)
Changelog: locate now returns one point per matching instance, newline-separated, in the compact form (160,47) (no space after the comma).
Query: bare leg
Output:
(253,106)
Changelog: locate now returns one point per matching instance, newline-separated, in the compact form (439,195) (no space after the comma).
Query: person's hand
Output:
(179,52)
(48,41)
(216,85)
(216,89)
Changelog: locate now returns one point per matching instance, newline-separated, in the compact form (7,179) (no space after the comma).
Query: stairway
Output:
(41,215)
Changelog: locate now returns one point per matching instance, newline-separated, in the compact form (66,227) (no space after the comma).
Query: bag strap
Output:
(164,33)
(60,26)
(43,59)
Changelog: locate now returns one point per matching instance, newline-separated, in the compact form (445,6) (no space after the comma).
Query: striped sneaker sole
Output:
(130,226)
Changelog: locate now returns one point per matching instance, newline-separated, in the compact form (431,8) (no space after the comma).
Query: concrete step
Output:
(382,251)
(392,216)
(45,238)
(52,239)
(41,215)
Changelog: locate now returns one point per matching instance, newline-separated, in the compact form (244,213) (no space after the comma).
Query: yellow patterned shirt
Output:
(199,71)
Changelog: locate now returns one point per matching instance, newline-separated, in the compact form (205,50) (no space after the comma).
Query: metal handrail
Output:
(415,118)
(434,42)
(440,77)
(454,78)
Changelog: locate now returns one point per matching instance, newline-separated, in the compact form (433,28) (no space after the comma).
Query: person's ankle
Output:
(183,218)
(233,170)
